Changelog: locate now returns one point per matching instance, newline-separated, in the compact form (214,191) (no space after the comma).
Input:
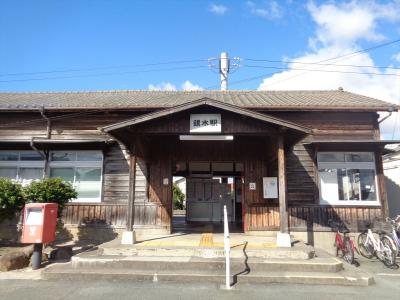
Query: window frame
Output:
(23,164)
(74,164)
(348,165)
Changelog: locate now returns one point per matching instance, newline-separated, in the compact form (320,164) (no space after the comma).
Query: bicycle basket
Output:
(382,226)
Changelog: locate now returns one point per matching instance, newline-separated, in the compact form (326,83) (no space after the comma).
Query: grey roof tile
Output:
(333,99)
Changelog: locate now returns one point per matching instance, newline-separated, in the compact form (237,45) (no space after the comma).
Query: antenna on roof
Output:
(225,65)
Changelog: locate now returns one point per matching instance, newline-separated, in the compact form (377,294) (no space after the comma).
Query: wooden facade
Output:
(141,155)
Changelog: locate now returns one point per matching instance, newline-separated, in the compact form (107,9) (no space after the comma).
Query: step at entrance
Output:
(95,265)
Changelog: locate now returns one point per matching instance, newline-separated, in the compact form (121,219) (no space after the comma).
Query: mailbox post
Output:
(39,227)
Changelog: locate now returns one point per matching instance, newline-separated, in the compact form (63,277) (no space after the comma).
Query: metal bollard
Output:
(227,248)
(37,256)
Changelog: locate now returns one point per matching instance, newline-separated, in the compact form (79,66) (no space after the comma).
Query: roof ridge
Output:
(172,92)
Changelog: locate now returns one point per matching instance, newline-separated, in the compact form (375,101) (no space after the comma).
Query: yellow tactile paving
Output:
(207,240)
(183,243)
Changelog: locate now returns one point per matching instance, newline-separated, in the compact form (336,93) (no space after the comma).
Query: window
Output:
(81,168)
(347,178)
(23,166)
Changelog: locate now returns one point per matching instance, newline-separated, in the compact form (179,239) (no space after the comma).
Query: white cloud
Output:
(348,22)
(217,9)
(396,57)
(188,86)
(167,86)
(163,86)
(269,10)
(339,29)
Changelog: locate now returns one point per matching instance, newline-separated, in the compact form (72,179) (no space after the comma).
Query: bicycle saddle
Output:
(344,230)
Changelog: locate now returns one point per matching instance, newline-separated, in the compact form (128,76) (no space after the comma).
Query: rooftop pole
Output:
(224,70)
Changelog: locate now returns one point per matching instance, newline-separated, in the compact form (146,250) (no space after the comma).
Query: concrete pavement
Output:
(385,288)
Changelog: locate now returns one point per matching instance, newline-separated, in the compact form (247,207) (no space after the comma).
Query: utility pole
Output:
(224,70)
(225,66)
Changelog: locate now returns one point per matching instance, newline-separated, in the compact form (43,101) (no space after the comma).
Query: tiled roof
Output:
(333,99)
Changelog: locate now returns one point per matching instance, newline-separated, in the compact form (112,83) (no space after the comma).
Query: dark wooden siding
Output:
(311,217)
(254,145)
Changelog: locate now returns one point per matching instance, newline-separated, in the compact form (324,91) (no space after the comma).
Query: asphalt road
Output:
(28,287)
(386,287)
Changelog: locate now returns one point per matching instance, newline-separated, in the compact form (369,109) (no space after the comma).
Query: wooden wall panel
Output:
(112,214)
(311,217)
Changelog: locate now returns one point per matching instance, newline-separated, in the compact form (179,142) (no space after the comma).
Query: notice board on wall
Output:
(270,187)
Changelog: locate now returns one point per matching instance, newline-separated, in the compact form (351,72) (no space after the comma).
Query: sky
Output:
(76,45)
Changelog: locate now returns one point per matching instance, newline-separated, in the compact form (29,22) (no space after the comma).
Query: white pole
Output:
(224,70)
(227,247)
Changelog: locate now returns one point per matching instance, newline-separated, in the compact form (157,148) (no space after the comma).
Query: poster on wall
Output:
(270,187)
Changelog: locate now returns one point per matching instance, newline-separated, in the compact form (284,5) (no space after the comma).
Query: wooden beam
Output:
(131,198)
(283,209)
(381,184)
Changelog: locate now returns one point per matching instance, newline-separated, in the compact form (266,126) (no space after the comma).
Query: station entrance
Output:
(208,187)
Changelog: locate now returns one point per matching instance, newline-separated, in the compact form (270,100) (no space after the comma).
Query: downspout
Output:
(390,110)
(48,129)
(43,154)
(125,149)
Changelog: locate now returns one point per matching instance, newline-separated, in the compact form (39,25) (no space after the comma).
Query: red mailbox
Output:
(39,224)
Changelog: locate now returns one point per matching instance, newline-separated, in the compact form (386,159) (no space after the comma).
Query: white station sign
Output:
(205,123)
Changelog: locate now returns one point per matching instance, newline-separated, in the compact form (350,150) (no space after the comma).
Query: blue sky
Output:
(40,36)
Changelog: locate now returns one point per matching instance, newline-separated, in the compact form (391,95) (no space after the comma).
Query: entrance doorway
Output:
(208,187)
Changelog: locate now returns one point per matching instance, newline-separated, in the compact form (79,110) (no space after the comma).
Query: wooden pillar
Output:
(131,197)
(381,184)
(283,209)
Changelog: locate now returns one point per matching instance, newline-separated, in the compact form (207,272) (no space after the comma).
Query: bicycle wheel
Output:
(348,251)
(388,252)
(365,248)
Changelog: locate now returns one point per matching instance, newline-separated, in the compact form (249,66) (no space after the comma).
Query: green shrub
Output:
(11,198)
(178,196)
(51,190)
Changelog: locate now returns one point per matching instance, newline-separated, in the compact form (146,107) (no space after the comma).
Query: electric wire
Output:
(104,68)
(322,64)
(103,74)
(340,58)
(327,71)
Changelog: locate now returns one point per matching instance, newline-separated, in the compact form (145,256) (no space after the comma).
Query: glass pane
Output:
(89,156)
(351,184)
(67,174)
(331,156)
(8,172)
(88,182)
(8,155)
(30,156)
(26,175)
(63,156)
(331,184)
(360,157)
(367,183)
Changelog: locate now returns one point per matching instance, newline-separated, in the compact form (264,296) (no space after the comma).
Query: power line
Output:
(321,64)
(103,74)
(327,71)
(340,58)
(104,68)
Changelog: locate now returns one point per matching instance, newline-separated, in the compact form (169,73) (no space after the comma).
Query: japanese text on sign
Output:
(202,123)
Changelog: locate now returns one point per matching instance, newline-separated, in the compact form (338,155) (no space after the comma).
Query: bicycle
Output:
(395,224)
(383,247)
(344,245)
